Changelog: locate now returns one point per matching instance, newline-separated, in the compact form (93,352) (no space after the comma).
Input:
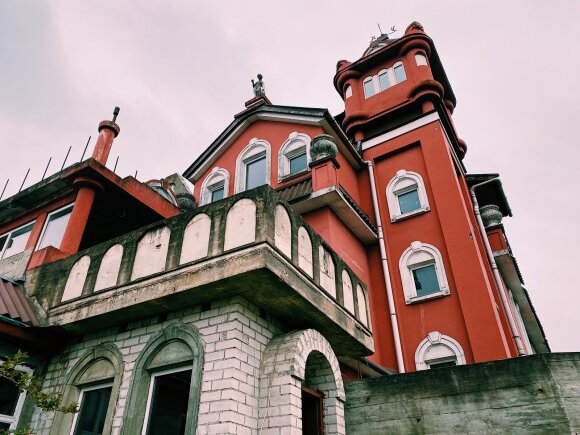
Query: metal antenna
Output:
(65,157)
(85,150)
(380,30)
(46,169)
(24,181)
(135,174)
(116,113)
(116,161)
(4,190)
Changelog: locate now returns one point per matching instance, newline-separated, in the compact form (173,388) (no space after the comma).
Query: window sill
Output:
(417,299)
(282,179)
(410,214)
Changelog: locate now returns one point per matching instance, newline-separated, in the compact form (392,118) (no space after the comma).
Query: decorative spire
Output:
(259,89)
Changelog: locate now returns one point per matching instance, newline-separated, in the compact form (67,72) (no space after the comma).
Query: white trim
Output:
(80,402)
(150,393)
(254,148)
(47,221)
(290,148)
(433,339)
(420,255)
(9,236)
(404,182)
(217,176)
(413,125)
(13,419)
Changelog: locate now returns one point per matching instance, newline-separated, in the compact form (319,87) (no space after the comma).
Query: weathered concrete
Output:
(534,394)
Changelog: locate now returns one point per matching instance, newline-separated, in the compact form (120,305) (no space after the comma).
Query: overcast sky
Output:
(180,70)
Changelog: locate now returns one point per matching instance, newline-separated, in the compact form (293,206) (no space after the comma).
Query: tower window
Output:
(400,75)
(293,155)
(422,273)
(348,92)
(369,87)
(406,195)
(55,227)
(384,81)
(253,166)
(215,186)
(420,60)
(14,242)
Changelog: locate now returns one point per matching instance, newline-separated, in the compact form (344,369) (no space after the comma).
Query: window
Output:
(215,186)
(253,165)
(167,402)
(369,87)
(422,273)
(54,227)
(94,403)
(14,242)
(399,70)
(312,412)
(384,81)
(348,92)
(293,157)
(438,351)
(11,401)
(406,195)
(420,60)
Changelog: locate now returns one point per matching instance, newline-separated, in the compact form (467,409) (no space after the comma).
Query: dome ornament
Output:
(323,146)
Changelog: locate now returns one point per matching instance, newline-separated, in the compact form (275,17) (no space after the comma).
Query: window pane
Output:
(55,228)
(217,194)
(409,201)
(426,280)
(298,163)
(8,397)
(3,242)
(384,81)
(91,419)
(369,88)
(169,404)
(438,365)
(17,241)
(400,75)
(256,173)
(4,426)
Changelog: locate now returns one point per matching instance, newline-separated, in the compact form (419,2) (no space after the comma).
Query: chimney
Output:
(108,131)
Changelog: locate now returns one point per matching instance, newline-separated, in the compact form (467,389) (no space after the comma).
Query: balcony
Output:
(250,245)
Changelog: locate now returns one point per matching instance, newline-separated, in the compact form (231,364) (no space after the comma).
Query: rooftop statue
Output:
(259,90)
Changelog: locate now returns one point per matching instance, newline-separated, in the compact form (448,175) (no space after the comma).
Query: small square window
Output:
(55,227)
(298,163)
(426,280)
(409,201)
(15,241)
(217,194)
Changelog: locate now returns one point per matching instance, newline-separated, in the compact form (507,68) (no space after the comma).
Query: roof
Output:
(270,112)
(13,303)
(491,193)
(296,190)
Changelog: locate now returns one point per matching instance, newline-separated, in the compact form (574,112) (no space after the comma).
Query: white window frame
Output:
(416,256)
(291,148)
(47,221)
(155,375)
(80,401)
(248,155)
(217,178)
(436,338)
(12,420)
(9,236)
(402,183)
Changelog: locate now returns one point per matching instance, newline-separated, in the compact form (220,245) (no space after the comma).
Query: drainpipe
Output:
(386,274)
(498,280)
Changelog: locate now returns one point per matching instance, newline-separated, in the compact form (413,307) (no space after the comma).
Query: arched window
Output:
(294,155)
(438,350)
(369,87)
(420,60)
(166,385)
(422,273)
(362,305)
(406,195)
(215,186)
(348,92)
(253,165)
(384,81)
(399,70)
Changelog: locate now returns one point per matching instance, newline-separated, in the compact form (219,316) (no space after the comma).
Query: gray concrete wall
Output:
(535,394)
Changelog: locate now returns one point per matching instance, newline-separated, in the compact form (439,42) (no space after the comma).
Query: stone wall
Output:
(534,394)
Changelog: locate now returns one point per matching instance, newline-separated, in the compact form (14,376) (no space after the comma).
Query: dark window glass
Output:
(217,194)
(256,172)
(312,413)
(93,411)
(400,75)
(438,365)
(384,81)
(8,397)
(426,280)
(169,402)
(4,426)
(409,201)
(298,163)
(2,242)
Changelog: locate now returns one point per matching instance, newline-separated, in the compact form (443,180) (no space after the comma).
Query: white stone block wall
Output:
(234,338)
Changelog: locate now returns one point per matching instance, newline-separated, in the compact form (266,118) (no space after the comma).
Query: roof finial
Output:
(116,113)
(259,89)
